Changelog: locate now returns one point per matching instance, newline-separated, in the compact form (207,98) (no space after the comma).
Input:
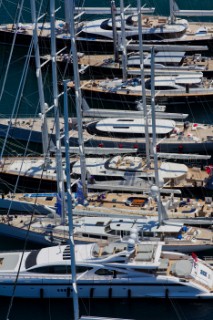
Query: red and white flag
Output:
(195,257)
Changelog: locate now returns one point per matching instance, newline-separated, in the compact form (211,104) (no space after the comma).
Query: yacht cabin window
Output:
(59,269)
(104,272)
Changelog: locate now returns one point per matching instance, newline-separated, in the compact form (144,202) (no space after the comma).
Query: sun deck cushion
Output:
(143,256)
(145,248)
(182,268)
(9,261)
(164,264)
(108,250)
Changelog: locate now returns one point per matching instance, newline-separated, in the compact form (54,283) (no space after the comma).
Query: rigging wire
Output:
(18,97)
(7,11)
(180,316)
(23,79)
(11,52)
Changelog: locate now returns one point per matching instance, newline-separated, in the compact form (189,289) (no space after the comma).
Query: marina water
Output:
(55,309)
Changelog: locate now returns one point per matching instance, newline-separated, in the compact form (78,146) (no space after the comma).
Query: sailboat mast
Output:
(171,8)
(78,97)
(160,214)
(114,31)
(59,171)
(43,105)
(143,82)
(123,42)
(69,208)
(66,16)
(153,116)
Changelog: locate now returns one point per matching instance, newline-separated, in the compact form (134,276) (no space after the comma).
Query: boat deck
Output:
(35,168)
(192,134)
(32,167)
(117,203)
(46,200)
(199,235)
(30,123)
(96,60)
(130,90)
(124,204)
(105,63)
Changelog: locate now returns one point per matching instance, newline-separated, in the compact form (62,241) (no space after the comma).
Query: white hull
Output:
(109,288)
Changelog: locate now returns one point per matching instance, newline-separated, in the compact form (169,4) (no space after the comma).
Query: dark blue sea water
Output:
(138,310)
(28,105)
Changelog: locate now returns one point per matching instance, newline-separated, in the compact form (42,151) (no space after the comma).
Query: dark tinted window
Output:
(104,272)
(63,269)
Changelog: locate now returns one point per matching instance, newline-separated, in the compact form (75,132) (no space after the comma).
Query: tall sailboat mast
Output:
(43,105)
(123,42)
(153,118)
(171,8)
(114,30)
(69,208)
(143,82)
(59,171)
(67,16)
(78,96)
(157,190)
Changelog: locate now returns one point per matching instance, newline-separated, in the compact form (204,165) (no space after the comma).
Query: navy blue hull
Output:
(92,44)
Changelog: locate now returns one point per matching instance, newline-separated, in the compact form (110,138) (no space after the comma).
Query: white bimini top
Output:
(137,126)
